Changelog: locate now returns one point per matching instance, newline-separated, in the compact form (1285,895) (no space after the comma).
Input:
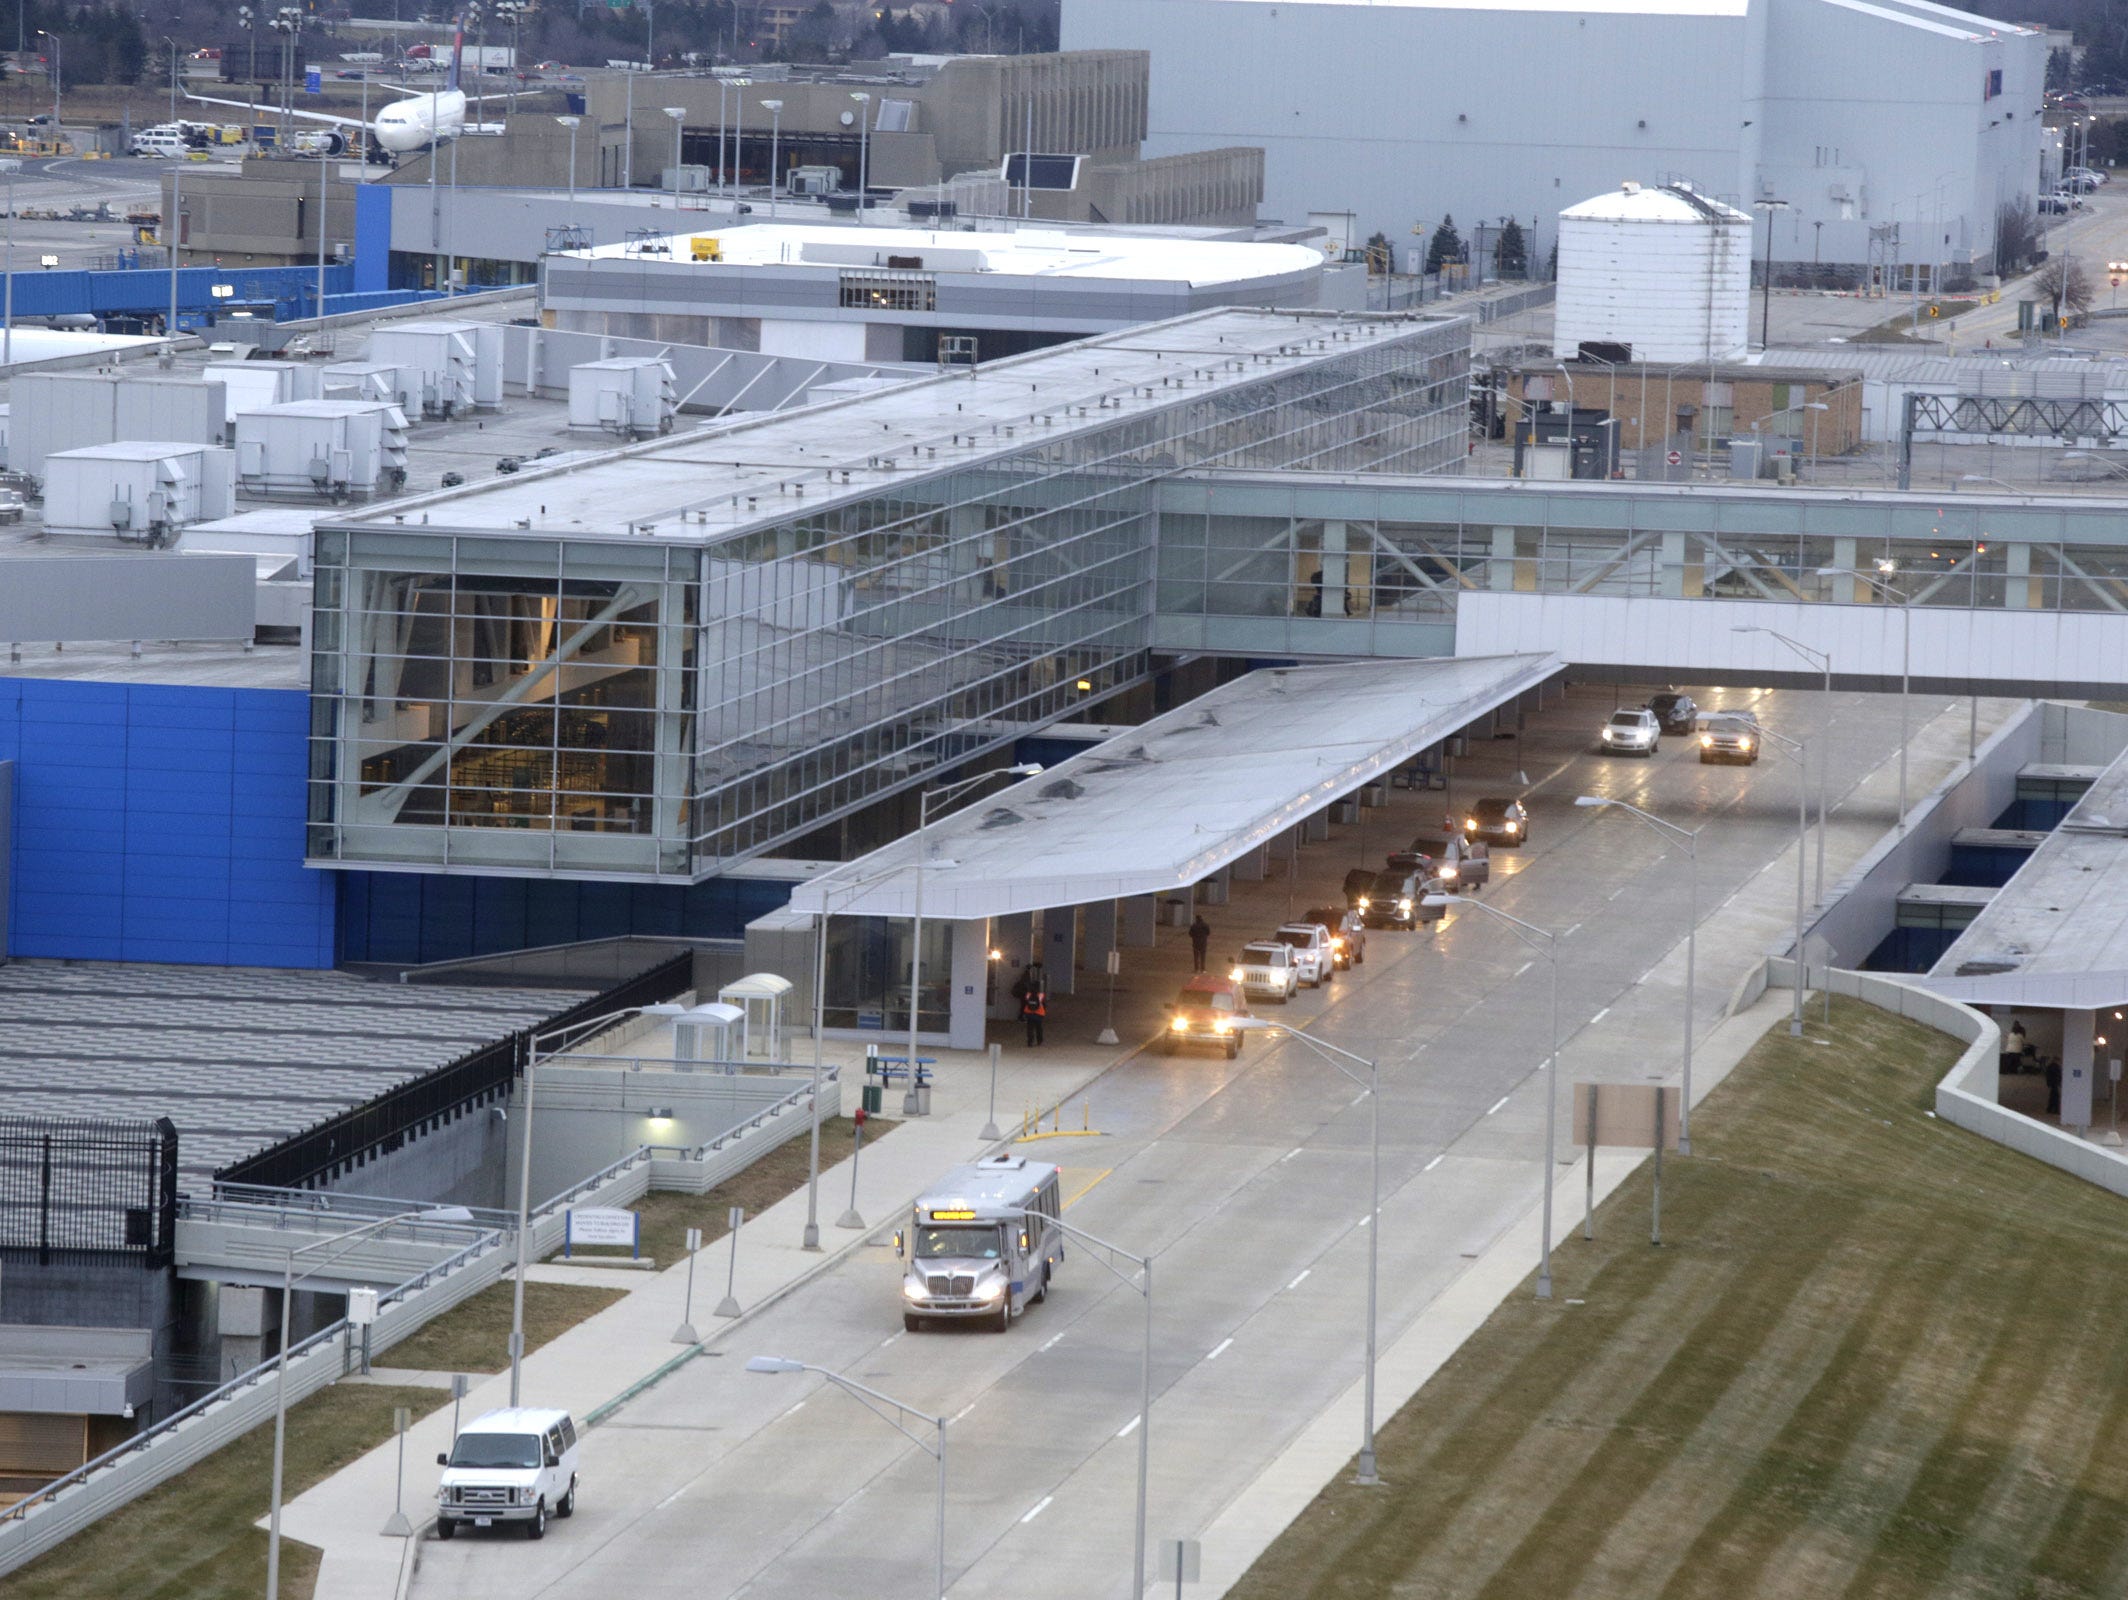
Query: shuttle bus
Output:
(982,1244)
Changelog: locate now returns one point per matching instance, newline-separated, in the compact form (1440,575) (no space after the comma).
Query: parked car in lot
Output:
(516,1465)
(1204,1013)
(1729,736)
(1497,821)
(1312,951)
(2060,203)
(1266,968)
(1674,712)
(1348,934)
(1631,733)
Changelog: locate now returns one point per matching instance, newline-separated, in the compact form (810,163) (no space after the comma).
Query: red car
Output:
(1204,1013)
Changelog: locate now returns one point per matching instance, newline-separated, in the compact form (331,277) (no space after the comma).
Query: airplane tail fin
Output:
(457,52)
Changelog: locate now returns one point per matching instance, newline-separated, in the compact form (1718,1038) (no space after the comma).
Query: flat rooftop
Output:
(238,1058)
(706,487)
(1024,252)
(2060,926)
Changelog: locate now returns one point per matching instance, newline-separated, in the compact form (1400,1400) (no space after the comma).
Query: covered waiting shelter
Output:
(1210,784)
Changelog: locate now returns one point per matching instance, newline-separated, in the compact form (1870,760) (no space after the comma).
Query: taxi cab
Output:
(1204,1013)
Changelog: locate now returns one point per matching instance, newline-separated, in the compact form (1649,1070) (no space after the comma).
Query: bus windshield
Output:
(979,1243)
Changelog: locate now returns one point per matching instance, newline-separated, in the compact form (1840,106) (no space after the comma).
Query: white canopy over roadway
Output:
(1173,801)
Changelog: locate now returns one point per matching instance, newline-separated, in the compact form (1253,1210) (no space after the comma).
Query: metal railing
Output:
(351,1207)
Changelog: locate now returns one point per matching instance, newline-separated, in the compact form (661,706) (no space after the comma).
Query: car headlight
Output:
(1707,739)
(993,1290)
(1470,824)
(526,1494)
(1743,744)
(1607,733)
(1365,903)
(1403,905)
(1448,874)
(1514,827)
(1236,976)
(1181,1024)
(913,1289)
(1222,1025)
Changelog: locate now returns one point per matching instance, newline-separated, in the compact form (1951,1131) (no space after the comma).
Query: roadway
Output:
(1248,1181)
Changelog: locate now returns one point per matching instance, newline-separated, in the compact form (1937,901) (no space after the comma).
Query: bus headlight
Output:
(993,1290)
(913,1289)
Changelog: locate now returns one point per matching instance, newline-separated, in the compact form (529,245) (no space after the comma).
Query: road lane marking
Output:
(1497,1104)
(1525,966)
(1130,1427)
(1365,1220)
(794,1410)
(1080,1193)
(1435,1162)
(1571,931)
(1297,1282)
(1053,1338)
(890,1338)
(964,1410)
(1290,1154)
(1039,1509)
(1605,1012)
(1219,1349)
(668,1500)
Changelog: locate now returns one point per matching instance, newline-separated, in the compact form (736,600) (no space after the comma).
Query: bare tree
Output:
(2016,238)
(2065,284)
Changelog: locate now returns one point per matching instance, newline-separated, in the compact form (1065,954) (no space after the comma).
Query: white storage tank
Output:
(1660,270)
(456,365)
(633,396)
(252,384)
(142,492)
(333,449)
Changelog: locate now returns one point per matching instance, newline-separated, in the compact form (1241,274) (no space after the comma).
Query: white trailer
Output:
(332,449)
(636,397)
(140,492)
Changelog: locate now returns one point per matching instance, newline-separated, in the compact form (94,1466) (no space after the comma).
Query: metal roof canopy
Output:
(1173,801)
(2055,935)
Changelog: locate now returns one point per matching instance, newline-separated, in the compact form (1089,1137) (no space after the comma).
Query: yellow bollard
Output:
(1087,1106)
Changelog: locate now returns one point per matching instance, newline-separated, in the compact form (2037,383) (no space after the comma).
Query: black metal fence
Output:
(475,1080)
(72,1189)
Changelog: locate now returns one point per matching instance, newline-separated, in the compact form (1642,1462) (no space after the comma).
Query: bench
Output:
(891,1070)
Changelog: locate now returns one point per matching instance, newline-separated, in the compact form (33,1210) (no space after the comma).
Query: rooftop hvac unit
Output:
(633,396)
(458,365)
(328,449)
(139,492)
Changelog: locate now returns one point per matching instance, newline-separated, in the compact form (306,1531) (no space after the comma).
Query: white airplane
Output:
(425,117)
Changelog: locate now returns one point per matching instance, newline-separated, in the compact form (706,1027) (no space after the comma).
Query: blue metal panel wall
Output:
(413,917)
(373,237)
(147,290)
(156,823)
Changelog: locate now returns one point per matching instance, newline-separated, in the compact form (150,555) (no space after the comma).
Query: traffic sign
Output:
(1675,458)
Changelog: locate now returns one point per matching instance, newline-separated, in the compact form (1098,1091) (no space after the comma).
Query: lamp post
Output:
(172,43)
(774,108)
(1144,1288)
(1689,839)
(1766,308)
(1024,769)
(1546,943)
(58,74)
(177,224)
(289,1280)
(1338,1056)
(515,11)
(9,166)
(864,149)
(678,115)
(571,123)
(1822,660)
(866,1396)
(1883,585)
(1798,752)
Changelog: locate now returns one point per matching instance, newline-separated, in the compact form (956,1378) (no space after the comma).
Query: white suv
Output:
(1631,733)
(1267,969)
(509,1466)
(1314,956)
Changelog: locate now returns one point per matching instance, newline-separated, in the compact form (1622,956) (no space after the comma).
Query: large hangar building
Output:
(1858,116)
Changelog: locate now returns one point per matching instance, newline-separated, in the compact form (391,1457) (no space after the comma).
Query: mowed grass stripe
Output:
(1909,1381)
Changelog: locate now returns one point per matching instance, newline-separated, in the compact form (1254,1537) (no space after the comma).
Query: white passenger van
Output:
(509,1466)
(970,1252)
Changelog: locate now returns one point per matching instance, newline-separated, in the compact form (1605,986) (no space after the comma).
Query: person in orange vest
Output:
(1032,992)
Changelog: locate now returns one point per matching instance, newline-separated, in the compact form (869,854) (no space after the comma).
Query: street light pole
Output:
(864,1394)
(58,74)
(571,124)
(1337,1056)
(172,43)
(10,165)
(1798,752)
(1689,839)
(1822,660)
(864,149)
(1766,311)
(774,108)
(1883,586)
(1546,943)
(678,115)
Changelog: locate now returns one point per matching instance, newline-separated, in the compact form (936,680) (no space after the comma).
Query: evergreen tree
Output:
(1446,245)
(1511,251)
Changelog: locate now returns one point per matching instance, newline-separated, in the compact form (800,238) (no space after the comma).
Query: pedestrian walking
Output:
(1200,941)
(1032,992)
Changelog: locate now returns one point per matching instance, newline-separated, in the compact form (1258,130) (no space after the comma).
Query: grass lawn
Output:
(475,1336)
(668,1214)
(1877,1357)
(193,1539)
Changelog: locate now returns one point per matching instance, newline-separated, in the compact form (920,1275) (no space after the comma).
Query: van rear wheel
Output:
(566,1507)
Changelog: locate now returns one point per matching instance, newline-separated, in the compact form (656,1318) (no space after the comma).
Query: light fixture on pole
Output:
(172,43)
(1822,660)
(1766,311)
(774,108)
(1024,769)
(571,123)
(1338,1056)
(346,1241)
(679,116)
(1689,839)
(58,73)
(1882,584)
(176,228)
(1144,1426)
(865,1395)
(864,148)
(1546,943)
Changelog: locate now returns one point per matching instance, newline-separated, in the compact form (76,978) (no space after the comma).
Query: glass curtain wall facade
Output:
(627,707)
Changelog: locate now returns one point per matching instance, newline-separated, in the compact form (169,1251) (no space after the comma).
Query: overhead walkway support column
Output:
(1012,937)
(1060,948)
(967,1013)
(1139,924)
